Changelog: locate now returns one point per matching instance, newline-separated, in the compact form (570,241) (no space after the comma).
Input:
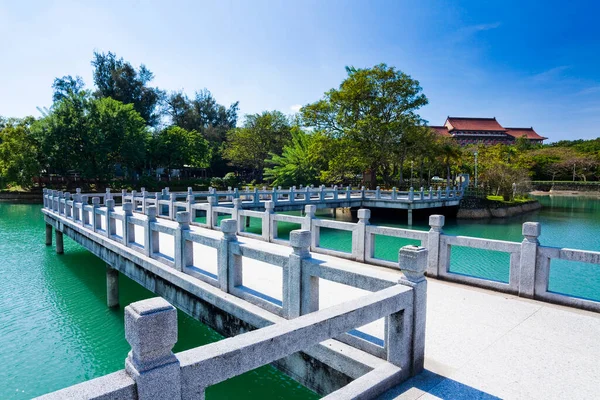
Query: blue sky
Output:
(528,63)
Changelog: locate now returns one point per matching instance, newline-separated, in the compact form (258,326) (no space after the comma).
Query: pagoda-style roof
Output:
(529,133)
(473,124)
(440,130)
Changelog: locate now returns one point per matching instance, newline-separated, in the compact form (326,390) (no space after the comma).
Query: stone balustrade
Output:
(529,261)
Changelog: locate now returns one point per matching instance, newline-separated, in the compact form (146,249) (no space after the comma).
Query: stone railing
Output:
(403,344)
(152,371)
(529,261)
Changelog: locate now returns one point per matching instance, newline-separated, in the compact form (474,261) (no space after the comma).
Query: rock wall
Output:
(495,210)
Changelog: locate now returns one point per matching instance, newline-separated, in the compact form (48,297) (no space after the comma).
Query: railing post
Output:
(322,193)
(274,195)
(68,208)
(430,193)
(309,215)
(411,194)
(237,205)
(529,248)
(60,206)
(110,226)
(348,192)
(128,231)
(378,192)
(447,191)
(269,231)
(107,196)
(212,201)
(183,248)
(439,194)
(433,244)
(413,263)
(362,193)
(292,195)
(256,196)
(394,193)
(172,207)
(144,196)
(191,200)
(133,200)
(150,236)
(335,192)
(360,235)
(96,220)
(292,276)
(84,212)
(123,195)
(229,268)
(151,330)
(422,194)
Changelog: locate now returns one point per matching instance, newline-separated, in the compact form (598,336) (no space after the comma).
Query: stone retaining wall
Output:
(489,211)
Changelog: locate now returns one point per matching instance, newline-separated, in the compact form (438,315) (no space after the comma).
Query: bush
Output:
(230,179)
(217,183)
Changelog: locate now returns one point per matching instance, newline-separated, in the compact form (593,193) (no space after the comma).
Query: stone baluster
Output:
(151,242)
(110,222)
(362,192)
(144,197)
(274,195)
(85,219)
(229,267)
(256,196)
(436,222)
(212,202)
(60,204)
(123,195)
(322,193)
(335,192)
(236,193)
(191,200)
(348,192)
(394,193)
(378,192)
(96,218)
(430,193)
(68,209)
(128,228)
(237,206)
(411,194)
(183,248)
(529,249)
(292,195)
(412,262)
(309,215)
(439,192)
(151,330)
(422,193)
(269,227)
(172,206)
(292,276)
(107,195)
(447,191)
(360,235)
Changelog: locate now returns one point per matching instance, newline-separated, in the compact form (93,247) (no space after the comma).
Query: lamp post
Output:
(475,169)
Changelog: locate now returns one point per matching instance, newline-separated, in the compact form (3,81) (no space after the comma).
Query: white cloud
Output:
(551,74)
(296,108)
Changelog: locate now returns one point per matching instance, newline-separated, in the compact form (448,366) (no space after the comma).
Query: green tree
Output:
(373,108)
(175,147)
(203,114)
(65,86)
(298,163)
(261,135)
(18,154)
(118,79)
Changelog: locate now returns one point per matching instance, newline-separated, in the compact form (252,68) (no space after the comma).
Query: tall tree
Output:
(262,134)
(373,108)
(175,147)
(18,154)
(118,79)
(65,86)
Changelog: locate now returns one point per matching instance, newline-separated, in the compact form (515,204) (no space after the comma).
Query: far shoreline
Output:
(565,193)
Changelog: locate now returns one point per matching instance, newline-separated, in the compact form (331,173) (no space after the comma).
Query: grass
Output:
(516,200)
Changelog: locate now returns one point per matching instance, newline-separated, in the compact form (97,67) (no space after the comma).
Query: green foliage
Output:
(66,86)
(297,165)
(118,79)
(261,135)
(374,109)
(175,147)
(89,136)
(18,154)
(230,179)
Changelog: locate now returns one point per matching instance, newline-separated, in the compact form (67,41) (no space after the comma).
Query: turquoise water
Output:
(571,222)
(55,328)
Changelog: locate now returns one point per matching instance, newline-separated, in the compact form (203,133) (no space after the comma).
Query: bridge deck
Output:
(479,343)
(482,344)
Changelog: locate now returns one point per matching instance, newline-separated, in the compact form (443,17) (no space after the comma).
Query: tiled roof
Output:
(527,132)
(440,130)
(474,124)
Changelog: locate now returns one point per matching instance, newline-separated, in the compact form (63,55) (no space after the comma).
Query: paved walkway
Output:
(479,345)
(484,345)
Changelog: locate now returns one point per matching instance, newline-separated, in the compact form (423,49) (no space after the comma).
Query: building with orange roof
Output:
(488,131)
